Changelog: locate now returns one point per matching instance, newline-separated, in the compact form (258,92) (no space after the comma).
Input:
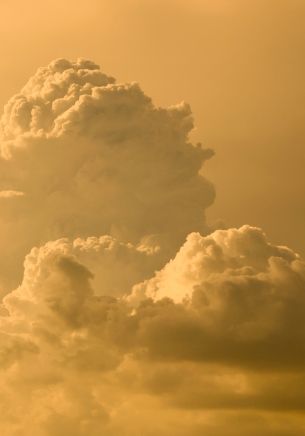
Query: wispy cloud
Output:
(11,194)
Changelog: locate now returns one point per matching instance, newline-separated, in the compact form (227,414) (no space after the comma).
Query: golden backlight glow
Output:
(149,287)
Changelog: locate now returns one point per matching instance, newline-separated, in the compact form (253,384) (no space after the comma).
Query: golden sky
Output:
(152,217)
(238,63)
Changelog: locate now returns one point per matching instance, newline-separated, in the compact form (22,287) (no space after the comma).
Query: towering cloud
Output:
(92,157)
(126,320)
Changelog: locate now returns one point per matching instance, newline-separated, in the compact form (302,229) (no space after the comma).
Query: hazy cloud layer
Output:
(128,320)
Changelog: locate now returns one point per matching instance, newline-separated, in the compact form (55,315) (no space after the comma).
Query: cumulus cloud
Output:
(127,317)
(228,349)
(245,301)
(93,157)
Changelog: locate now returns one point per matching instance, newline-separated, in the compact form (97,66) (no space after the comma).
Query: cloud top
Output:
(47,98)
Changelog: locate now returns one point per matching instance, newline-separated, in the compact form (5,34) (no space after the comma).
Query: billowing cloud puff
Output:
(93,157)
(245,300)
(49,98)
(227,349)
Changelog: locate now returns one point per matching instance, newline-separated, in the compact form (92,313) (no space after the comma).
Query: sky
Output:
(152,217)
(238,64)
